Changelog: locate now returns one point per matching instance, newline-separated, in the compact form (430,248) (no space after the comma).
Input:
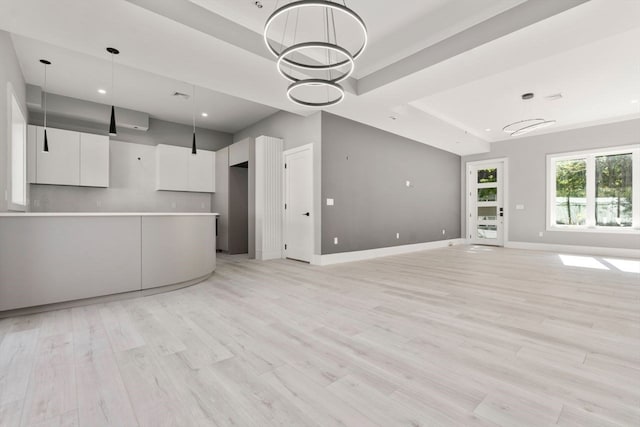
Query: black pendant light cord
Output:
(45,148)
(113,130)
(194,150)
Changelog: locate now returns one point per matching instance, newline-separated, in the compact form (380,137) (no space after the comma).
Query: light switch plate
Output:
(335,240)
(519,207)
(329,202)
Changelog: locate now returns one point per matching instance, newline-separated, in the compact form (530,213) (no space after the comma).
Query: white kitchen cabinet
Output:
(201,167)
(94,160)
(172,165)
(61,164)
(179,170)
(74,158)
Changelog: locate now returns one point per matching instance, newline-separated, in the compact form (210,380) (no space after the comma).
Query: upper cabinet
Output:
(179,170)
(94,160)
(172,168)
(74,158)
(201,171)
(61,164)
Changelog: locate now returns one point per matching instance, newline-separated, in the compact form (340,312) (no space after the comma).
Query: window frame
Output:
(590,159)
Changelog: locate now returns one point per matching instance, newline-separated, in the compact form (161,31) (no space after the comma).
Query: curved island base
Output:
(53,261)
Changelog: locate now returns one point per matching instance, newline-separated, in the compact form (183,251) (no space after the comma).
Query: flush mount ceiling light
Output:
(525,126)
(45,147)
(312,58)
(113,131)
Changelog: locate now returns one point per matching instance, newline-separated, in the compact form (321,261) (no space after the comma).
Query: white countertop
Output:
(45,214)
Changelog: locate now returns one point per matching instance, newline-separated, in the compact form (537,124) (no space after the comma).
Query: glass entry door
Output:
(485,221)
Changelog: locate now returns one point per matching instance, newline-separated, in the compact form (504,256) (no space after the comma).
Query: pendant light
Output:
(45,148)
(193,144)
(113,131)
(315,60)
(525,126)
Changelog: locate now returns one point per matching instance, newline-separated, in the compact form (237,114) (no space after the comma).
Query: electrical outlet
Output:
(519,207)
(335,240)
(540,234)
(329,202)
(408,183)
(444,231)
(397,235)
(36,203)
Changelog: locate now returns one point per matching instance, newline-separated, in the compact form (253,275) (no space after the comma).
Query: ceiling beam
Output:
(208,22)
(507,22)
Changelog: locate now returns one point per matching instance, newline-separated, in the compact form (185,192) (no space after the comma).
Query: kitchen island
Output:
(48,258)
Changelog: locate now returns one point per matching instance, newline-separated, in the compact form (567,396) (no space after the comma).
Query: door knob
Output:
(306,214)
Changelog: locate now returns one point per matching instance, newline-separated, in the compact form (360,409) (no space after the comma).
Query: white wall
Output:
(295,130)
(10,73)
(527,182)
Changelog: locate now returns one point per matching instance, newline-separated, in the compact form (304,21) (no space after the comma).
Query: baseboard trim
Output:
(343,257)
(589,250)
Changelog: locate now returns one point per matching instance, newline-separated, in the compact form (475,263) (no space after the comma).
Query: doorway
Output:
(238,221)
(298,199)
(486,196)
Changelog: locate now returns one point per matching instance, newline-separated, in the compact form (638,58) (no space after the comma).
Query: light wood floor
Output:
(458,336)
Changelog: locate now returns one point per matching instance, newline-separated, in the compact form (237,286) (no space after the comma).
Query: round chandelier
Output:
(316,43)
(522,127)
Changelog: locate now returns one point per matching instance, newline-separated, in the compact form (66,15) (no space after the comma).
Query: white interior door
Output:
(298,177)
(485,206)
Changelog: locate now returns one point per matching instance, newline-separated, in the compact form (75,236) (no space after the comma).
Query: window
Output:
(596,190)
(17,155)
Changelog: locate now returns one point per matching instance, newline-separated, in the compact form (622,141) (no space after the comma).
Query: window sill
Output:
(584,229)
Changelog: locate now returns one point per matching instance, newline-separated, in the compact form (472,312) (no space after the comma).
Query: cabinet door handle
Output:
(306,214)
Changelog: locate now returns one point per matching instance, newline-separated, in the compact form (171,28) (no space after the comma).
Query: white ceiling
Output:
(80,76)
(446,70)
(395,29)
(598,81)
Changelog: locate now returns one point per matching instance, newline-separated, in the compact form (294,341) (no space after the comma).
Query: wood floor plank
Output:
(52,387)
(466,335)
(17,357)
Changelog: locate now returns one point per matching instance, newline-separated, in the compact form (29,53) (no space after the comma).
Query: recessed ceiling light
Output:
(487,130)
(634,101)
(205,115)
(102,91)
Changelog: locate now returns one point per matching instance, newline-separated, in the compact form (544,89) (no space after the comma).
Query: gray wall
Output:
(296,131)
(132,181)
(527,181)
(9,73)
(365,169)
